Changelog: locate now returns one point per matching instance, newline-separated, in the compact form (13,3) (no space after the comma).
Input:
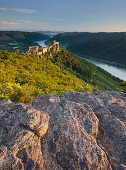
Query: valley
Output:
(63,85)
(113,68)
(55,72)
(110,47)
(12,40)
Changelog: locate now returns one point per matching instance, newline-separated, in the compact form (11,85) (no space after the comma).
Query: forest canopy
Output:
(24,76)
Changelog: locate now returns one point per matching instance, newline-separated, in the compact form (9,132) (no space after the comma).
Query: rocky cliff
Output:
(75,131)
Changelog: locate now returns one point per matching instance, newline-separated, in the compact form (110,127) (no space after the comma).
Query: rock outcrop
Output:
(77,130)
(21,127)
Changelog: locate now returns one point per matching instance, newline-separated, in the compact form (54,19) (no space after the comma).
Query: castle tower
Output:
(31,49)
(56,45)
(44,50)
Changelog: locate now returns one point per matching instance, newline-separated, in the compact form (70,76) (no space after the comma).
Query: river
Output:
(115,70)
(42,43)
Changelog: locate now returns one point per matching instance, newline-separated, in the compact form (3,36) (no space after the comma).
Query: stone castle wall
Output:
(40,51)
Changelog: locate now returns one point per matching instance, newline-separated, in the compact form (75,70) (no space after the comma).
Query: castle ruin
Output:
(40,51)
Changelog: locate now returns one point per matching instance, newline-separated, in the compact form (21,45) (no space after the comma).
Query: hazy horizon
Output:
(58,31)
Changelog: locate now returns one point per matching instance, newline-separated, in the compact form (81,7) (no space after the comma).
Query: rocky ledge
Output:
(75,131)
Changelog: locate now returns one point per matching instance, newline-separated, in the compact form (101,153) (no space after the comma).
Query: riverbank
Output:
(103,61)
(114,69)
(117,70)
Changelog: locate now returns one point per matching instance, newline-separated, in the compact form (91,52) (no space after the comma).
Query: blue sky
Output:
(63,15)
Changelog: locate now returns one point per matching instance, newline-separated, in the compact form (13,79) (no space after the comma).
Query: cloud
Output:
(3,9)
(3,22)
(8,23)
(26,11)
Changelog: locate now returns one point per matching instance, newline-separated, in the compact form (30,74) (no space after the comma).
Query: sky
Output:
(63,15)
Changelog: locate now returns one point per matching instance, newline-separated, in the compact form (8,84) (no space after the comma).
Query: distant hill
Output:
(21,40)
(22,36)
(50,32)
(108,46)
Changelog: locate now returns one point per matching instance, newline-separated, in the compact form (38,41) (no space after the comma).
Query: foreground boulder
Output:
(77,130)
(21,128)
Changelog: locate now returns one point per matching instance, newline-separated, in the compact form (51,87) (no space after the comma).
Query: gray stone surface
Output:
(110,109)
(21,127)
(77,130)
